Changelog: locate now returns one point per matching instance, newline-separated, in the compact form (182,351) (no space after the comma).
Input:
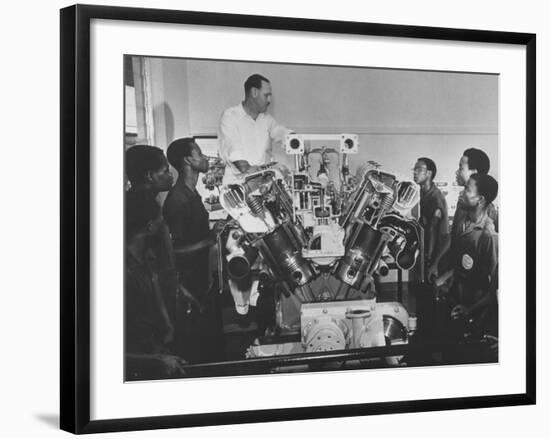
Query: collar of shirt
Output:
(242,112)
(480,224)
(433,187)
(187,191)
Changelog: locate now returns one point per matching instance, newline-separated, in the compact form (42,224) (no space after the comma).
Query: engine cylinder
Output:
(362,256)
(288,259)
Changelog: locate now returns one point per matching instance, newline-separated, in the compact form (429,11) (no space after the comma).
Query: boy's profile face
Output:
(197,160)
(420,172)
(162,178)
(463,172)
(471,194)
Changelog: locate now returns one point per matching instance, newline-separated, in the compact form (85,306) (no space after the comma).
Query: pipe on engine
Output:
(239,265)
(383,269)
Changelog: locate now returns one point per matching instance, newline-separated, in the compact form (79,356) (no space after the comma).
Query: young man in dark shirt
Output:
(474,254)
(148,172)
(148,326)
(473,161)
(187,218)
(433,210)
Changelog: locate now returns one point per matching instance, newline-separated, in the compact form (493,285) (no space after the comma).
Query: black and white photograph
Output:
(300,218)
(275,220)
(272,218)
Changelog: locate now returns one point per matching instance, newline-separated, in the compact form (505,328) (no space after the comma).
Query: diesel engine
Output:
(321,237)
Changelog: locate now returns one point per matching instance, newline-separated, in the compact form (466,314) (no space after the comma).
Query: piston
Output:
(294,268)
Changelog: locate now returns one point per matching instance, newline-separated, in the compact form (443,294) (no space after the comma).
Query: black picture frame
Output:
(75,216)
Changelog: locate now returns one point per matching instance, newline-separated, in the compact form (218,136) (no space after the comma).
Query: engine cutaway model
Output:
(320,240)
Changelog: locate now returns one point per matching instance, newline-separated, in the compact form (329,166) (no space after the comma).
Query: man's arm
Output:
(432,233)
(439,230)
(166,249)
(442,251)
(277,132)
(243,165)
(184,249)
(169,328)
(177,215)
(172,365)
(489,258)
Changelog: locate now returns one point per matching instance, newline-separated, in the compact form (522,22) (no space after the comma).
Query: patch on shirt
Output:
(467,261)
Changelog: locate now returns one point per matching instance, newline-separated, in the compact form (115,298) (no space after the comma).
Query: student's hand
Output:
(439,281)
(219,226)
(433,273)
(459,311)
(172,365)
(169,335)
(186,294)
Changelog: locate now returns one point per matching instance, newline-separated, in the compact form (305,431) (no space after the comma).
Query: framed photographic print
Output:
(262,213)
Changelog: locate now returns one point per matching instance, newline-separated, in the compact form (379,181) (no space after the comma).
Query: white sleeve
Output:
(277,132)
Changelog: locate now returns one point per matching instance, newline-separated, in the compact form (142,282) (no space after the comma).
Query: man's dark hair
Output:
(430,165)
(486,186)
(478,160)
(141,207)
(179,149)
(254,81)
(140,160)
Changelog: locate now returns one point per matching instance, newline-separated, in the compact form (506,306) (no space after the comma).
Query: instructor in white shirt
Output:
(247,130)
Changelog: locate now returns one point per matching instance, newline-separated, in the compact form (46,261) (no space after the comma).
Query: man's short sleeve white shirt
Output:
(243,138)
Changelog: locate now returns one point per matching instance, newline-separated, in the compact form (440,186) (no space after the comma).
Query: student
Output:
(148,326)
(473,161)
(474,254)
(433,209)
(149,174)
(147,169)
(187,218)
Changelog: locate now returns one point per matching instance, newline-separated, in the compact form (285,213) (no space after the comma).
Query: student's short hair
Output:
(142,159)
(254,81)
(179,149)
(430,165)
(478,160)
(140,207)
(486,186)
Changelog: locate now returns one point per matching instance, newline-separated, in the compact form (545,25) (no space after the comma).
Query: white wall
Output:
(400,115)
(169,95)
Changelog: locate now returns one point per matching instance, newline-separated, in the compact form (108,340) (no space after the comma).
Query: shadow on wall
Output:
(164,124)
(49,419)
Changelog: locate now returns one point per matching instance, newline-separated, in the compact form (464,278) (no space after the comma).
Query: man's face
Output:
(262,96)
(162,179)
(463,172)
(471,196)
(197,160)
(420,172)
